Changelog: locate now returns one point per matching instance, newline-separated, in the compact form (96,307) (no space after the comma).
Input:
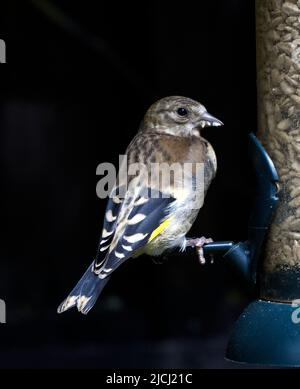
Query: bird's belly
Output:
(182,214)
(174,234)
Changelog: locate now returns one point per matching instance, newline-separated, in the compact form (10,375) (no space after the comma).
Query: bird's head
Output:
(179,116)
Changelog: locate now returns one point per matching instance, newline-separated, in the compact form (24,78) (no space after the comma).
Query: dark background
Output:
(78,79)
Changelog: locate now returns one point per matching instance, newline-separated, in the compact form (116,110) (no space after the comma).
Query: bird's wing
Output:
(129,224)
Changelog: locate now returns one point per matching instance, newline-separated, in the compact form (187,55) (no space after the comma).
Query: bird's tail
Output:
(85,293)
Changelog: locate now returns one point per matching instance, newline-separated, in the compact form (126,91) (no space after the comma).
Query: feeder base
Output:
(267,333)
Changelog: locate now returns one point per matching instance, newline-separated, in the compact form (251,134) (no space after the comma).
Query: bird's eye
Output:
(182,111)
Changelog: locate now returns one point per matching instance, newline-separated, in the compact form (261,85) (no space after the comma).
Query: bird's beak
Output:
(207,120)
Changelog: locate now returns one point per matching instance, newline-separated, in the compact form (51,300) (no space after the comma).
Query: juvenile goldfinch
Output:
(153,216)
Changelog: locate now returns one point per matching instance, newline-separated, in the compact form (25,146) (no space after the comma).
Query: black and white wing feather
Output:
(128,226)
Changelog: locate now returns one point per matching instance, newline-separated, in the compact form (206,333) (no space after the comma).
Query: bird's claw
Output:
(198,243)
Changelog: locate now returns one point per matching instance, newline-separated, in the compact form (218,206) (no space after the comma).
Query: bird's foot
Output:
(198,243)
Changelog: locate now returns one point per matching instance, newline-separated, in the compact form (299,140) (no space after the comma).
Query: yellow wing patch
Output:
(159,229)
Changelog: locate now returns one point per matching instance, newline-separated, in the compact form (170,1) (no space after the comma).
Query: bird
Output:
(153,216)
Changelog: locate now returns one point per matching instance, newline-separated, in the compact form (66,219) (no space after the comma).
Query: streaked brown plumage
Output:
(170,134)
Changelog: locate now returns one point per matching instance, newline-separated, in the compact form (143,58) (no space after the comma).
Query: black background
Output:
(78,79)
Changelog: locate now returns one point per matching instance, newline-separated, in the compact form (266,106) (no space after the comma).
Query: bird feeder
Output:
(268,331)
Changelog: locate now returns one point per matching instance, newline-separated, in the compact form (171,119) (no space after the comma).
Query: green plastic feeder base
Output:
(267,333)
